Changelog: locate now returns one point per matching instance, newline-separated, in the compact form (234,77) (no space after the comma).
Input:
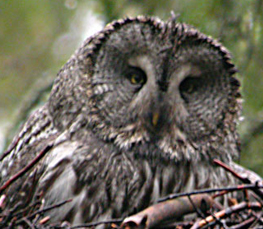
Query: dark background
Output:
(37,37)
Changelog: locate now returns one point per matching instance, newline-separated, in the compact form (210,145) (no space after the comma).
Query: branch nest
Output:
(209,213)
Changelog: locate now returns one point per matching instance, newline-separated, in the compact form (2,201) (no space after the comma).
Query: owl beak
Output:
(155,118)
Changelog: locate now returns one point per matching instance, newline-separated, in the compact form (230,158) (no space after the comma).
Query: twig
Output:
(228,211)
(10,149)
(44,220)
(2,201)
(258,217)
(245,180)
(41,211)
(22,211)
(244,224)
(9,217)
(228,169)
(48,208)
(26,168)
(201,191)
(28,223)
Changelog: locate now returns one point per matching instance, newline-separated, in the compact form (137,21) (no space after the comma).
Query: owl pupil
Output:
(136,79)
(136,76)
(188,86)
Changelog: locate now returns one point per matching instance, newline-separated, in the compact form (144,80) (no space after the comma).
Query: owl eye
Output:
(188,86)
(136,76)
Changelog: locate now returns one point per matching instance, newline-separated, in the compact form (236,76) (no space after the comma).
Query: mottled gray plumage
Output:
(138,112)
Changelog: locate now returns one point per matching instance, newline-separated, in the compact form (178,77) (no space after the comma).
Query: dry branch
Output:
(211,190)
(7,152)
(42,211)
(164,214)
(168,210)
(227,212)
(26,168)
(243,178)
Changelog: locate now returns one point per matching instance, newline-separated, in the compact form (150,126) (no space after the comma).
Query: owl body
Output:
(138,112)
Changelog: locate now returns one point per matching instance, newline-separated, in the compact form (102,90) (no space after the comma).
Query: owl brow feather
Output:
(173,19)
(106,81)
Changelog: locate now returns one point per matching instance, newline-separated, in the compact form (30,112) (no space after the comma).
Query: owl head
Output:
(141,80)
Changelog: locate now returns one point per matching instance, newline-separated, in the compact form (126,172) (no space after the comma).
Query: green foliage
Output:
(30,31)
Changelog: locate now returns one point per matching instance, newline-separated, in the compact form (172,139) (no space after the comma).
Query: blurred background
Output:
(37,38)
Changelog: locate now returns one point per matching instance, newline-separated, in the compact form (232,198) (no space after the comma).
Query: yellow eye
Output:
(136,76)
(189,85)
(190,88)
(136,79)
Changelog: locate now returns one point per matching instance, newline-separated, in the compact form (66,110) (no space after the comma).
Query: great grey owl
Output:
(138,112)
